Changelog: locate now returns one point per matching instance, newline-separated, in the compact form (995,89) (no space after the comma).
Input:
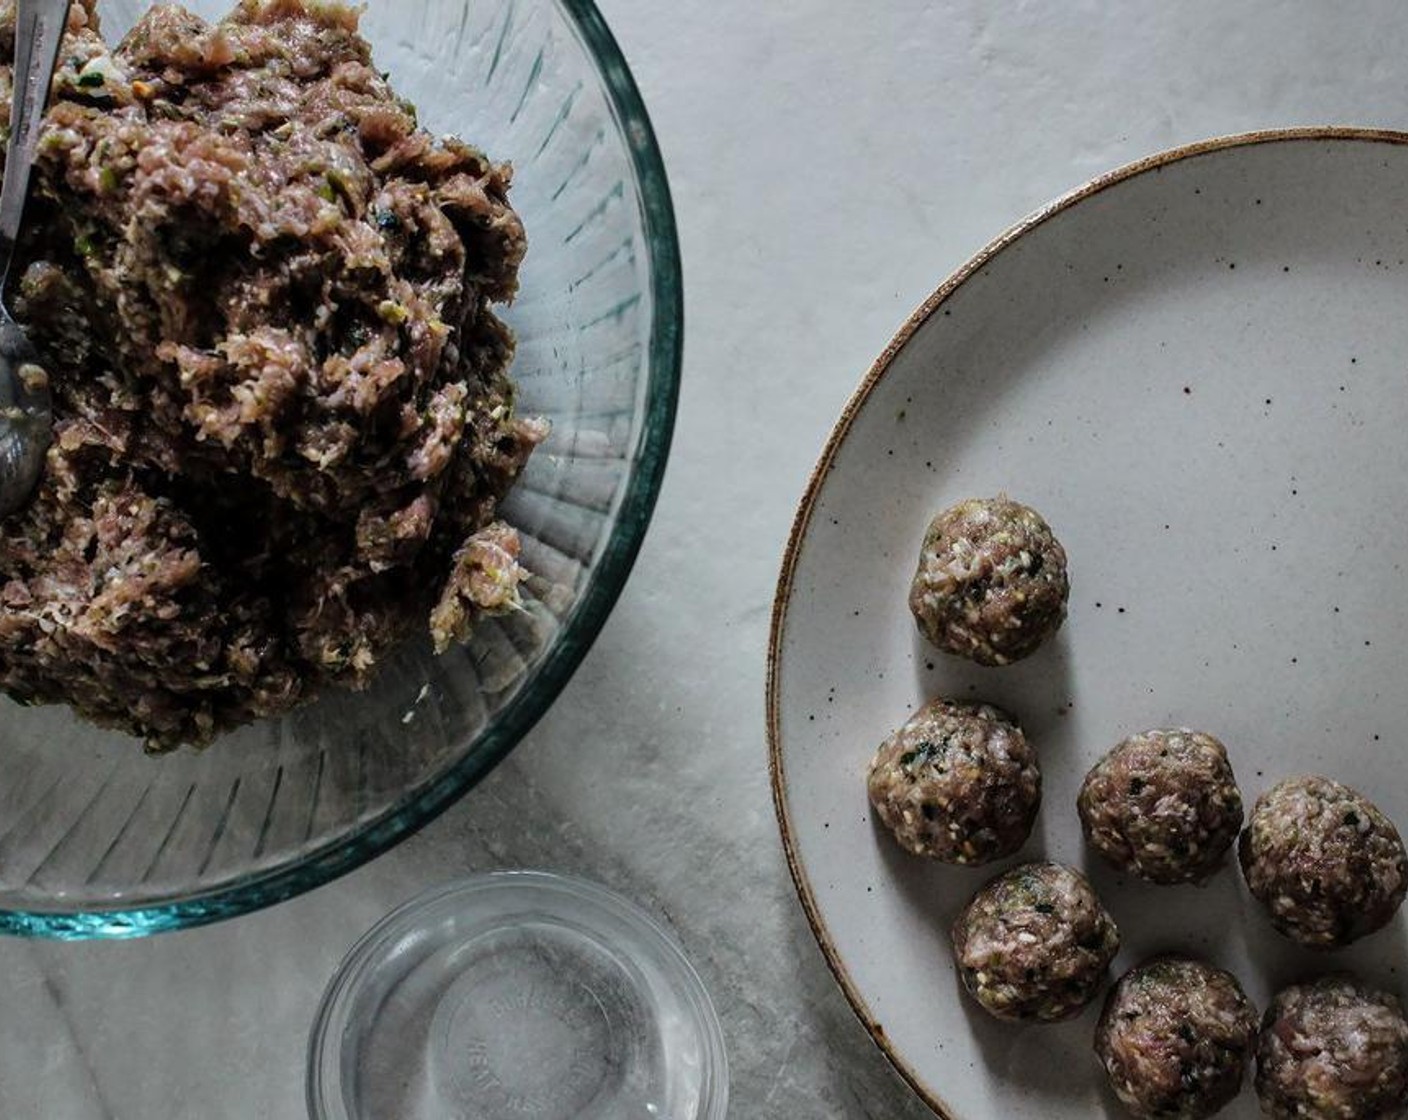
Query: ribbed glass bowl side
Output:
(97,840)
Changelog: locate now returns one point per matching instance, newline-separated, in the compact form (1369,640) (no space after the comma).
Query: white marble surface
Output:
(831,162)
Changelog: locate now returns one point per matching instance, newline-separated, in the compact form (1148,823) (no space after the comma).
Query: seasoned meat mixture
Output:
(1333,1049)
(991,584)
(1035,943)
(1163,805)
(958,782)
(1326,864)
(283,417)
(1175,1038)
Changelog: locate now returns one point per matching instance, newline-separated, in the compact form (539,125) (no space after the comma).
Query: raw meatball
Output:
(1334,1049)
(1175,1038)
(1326,864)
(1035,943)
(958,783)
(991,584)
(1164,805)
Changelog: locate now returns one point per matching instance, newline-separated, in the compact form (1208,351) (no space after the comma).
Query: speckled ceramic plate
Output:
(1197,369)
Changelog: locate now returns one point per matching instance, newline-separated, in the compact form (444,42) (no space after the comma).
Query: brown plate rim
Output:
(858,399)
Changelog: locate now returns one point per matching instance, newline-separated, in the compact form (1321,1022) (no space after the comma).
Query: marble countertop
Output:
(830,167)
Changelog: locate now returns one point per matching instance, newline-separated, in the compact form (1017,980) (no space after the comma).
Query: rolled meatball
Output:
(1326,864)
(1163,805)
(1334,1049)
(1035,944)
(1175,1038)
(957,783)
(991,584)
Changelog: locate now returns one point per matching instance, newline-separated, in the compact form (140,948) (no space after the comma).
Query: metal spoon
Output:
(26,419)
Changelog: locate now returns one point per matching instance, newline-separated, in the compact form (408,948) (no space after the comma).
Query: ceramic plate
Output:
(1197,369)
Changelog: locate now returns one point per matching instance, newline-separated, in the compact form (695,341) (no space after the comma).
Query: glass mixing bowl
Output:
(99,840)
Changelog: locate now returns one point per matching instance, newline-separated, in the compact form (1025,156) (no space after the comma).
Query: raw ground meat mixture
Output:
(283,417)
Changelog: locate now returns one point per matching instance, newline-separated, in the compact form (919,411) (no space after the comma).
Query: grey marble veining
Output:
(829,169)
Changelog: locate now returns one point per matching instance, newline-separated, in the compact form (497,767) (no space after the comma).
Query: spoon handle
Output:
(39,29)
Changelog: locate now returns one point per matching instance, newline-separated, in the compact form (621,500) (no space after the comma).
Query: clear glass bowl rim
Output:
(323,1050)
(607,580)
